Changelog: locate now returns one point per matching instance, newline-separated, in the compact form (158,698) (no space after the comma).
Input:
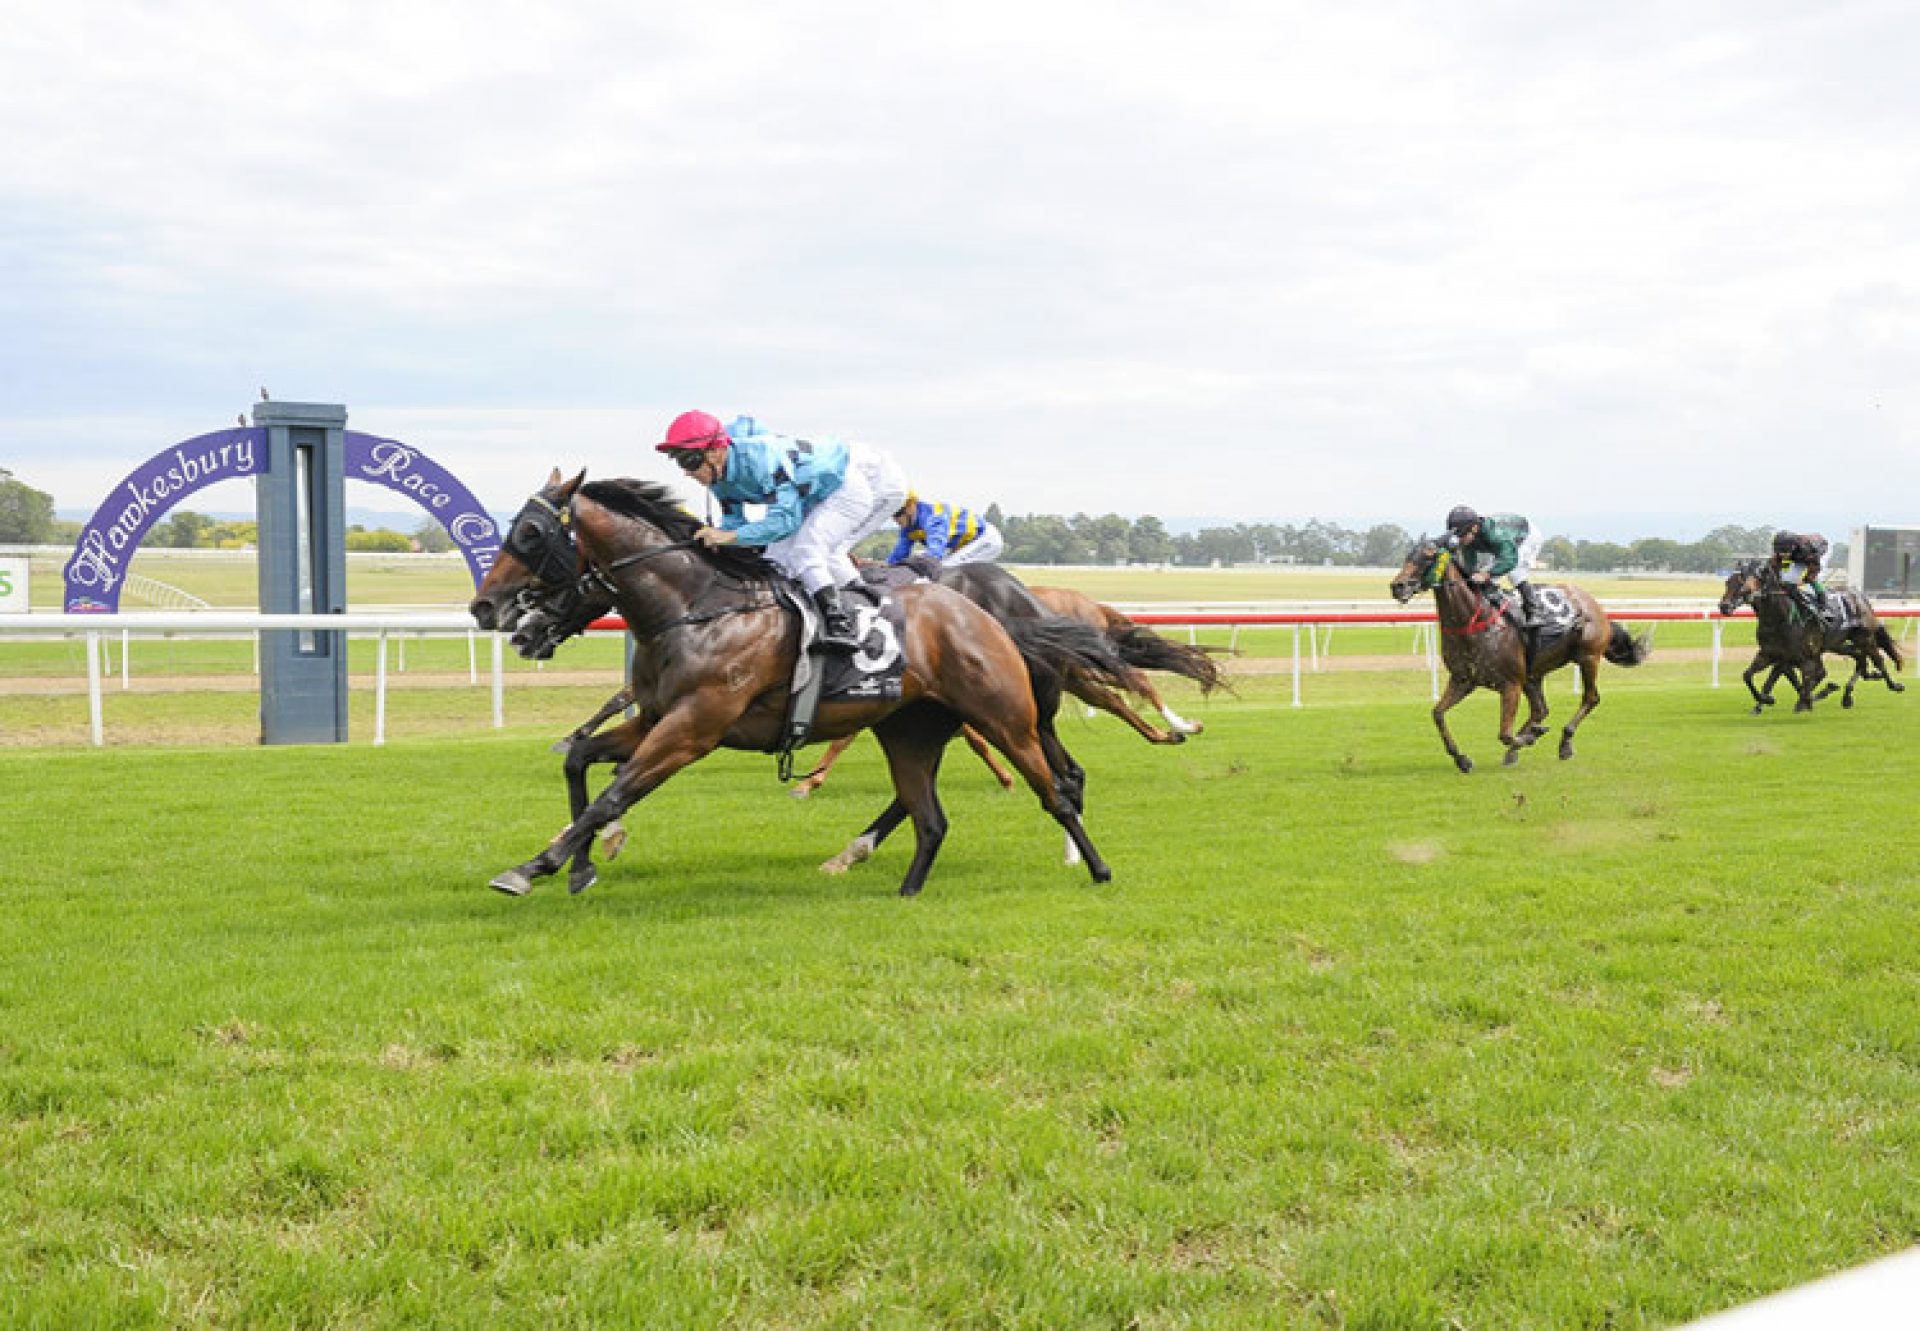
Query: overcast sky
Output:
(1629,268)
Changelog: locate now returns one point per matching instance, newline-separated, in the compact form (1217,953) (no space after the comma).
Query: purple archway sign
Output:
(100,557)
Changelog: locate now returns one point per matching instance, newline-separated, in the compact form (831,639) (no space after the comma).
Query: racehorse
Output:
(1003,595)
(1483,649)
(1791,637)
(1141,648)
(715,654)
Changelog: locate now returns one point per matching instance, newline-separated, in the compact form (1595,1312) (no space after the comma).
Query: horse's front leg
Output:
(682,736)
(1509,709)
(1457,688)
(1537,710)
(615,746)
(1811,677)
(811,782)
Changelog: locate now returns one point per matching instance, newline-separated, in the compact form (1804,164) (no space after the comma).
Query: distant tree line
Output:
(1048,538)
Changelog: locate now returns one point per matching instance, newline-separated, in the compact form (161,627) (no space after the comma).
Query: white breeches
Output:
(868,497)
(985,545)
(1523,558)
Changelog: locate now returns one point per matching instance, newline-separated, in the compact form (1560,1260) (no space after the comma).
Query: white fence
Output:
(1316,619)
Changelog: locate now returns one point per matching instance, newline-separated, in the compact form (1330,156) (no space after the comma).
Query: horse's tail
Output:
(1055,646)
(1889,646)
(1624,649)
(1144,649)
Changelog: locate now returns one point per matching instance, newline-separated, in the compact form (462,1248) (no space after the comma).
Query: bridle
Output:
(542,539)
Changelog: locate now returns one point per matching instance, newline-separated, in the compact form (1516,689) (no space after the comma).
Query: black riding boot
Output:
(1529,607)
(836,625)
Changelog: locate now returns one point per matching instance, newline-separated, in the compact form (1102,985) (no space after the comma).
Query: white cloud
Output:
(1245,259)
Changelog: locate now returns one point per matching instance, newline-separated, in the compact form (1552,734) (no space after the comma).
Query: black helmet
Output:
(1460,519)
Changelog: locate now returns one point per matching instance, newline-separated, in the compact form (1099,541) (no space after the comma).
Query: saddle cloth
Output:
(1556,618)
(1841,614)
(870,674)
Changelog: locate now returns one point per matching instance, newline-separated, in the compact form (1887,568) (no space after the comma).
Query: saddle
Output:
(1556,616)
(871,674)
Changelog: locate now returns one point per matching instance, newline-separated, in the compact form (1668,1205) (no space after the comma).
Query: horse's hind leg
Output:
(861,848)
(1099,695)
(1589,668)
(914,745)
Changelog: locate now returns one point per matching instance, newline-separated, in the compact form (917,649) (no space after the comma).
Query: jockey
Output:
(821,498)
(1798,556)
(951,535)
(1504,543)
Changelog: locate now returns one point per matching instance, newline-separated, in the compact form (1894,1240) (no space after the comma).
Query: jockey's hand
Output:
(714,537)
(1480,579)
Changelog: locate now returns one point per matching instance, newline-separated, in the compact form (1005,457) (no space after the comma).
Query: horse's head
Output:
(1743,585)
(1425,568)
(537,558)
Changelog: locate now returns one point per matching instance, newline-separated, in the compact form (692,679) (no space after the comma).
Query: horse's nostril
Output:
(482,612)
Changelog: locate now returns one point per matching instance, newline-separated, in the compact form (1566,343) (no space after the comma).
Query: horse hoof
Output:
(1896,686)
(860,848)
(613,840)
(1464,763)
(801,791)
(1847,701)
(1566,752)
(513,883)
(581,879)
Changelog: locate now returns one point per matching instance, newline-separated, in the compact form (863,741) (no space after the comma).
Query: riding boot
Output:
(837,633)
(1529,607)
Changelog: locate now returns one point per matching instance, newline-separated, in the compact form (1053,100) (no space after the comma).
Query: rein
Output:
(694,615)
(1485,613)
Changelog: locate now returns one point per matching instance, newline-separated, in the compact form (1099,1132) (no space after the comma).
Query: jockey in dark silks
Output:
(1500,545)
(1797,555)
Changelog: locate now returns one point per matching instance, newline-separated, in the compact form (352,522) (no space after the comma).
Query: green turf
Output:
(1350,1040)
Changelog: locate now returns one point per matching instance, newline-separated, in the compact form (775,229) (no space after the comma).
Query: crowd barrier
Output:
(381,626)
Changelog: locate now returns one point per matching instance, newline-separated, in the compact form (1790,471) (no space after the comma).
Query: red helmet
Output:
(693,429)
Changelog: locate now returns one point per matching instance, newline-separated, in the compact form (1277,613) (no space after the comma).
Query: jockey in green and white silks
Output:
(1499,545)
(951,535)
(820,498)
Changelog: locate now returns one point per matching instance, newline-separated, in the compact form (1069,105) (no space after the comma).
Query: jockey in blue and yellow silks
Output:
(952,535)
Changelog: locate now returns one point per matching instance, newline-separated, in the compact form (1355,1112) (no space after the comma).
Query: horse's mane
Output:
(655,505)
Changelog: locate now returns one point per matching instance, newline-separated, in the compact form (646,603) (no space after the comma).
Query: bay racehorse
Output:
(1144,650)
(715,654)
(1483,649)
(1791,637)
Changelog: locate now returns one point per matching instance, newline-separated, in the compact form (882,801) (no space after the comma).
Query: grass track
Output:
(1350,1041)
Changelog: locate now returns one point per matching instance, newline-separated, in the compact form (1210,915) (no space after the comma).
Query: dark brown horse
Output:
(1792,637)
(1483,649)
(715,656)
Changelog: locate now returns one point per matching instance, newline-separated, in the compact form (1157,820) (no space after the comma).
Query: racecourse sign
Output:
(107,543)
(13,584)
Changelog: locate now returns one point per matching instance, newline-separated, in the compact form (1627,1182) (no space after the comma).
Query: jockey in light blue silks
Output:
(951,535)
(821,498)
